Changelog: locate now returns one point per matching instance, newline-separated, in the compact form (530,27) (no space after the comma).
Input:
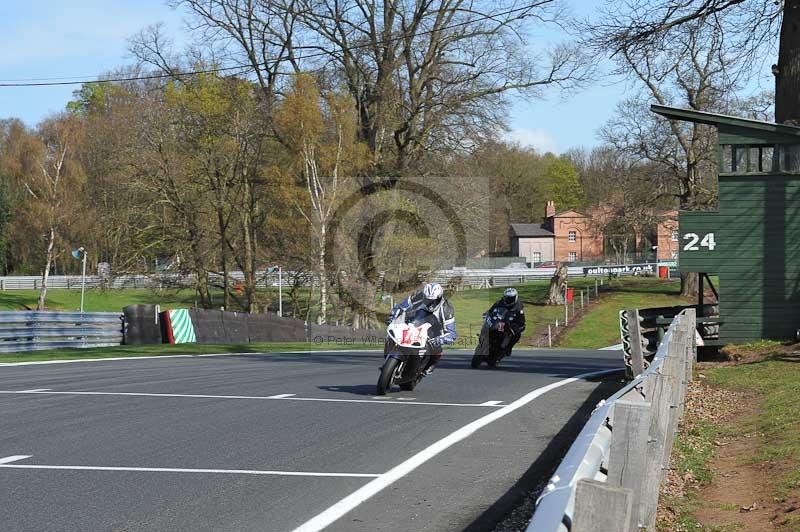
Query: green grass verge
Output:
(777,382)
(180,349)
(470,304)
(599,327)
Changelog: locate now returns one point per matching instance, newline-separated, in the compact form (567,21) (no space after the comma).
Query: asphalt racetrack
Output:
(284,442)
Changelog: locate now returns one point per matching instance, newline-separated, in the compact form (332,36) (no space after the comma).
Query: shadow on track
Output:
(359,389)
(535,478)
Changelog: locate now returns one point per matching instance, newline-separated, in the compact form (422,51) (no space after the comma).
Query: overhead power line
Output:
(46,82)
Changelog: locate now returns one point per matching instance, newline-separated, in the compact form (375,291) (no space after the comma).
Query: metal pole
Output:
(566,311)
(83,278)
(595,288)
(581,298)
(280,292)
(549,336)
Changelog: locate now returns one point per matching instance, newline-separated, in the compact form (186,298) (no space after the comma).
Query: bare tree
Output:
(691,68)
(752,27)
(424,75)
(51,186)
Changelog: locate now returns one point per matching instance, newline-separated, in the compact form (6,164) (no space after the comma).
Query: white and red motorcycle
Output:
(406,353)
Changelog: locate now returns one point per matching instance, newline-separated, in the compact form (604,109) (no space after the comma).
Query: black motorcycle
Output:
(490,347)
(406,354)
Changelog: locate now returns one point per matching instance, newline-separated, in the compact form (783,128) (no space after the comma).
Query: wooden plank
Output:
(601,507)
(648,502)
(626,467)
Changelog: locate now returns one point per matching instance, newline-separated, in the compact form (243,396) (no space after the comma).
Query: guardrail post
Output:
(660,400)
(674,368)
(691,325)
(599,506)
(626,467)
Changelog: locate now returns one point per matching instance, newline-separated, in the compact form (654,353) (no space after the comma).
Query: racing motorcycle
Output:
(490,340)
(406,351)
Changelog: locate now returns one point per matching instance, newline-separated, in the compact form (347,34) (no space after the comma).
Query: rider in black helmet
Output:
(515,318)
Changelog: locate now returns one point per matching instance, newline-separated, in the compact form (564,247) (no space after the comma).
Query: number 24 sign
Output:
(692,240)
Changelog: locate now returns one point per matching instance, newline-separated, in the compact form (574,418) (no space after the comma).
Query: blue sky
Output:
(83,38)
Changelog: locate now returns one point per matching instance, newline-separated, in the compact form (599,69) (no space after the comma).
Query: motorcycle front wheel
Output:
(387,375)
(480,352)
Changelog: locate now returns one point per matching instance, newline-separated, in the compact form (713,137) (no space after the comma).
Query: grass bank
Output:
(599,326)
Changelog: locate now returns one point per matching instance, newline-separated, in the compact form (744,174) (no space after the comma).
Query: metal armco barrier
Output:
(33,331)
(609,479)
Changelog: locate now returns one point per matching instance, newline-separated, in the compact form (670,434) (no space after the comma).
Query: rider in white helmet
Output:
(431,299)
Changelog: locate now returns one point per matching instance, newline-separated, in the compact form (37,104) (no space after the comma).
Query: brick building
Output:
(666,235)
(571,236)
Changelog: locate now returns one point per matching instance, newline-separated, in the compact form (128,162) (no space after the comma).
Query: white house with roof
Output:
(533,241)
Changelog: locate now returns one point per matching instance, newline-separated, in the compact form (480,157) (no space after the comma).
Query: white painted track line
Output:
(491,403)
(617,347)
(9,459)
(350,502)
(247,397)
(5,464)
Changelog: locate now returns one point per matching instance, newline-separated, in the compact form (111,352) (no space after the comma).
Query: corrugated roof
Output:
(530,230)
(715,119)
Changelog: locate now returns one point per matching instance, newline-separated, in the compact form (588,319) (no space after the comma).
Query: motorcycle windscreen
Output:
(422,317)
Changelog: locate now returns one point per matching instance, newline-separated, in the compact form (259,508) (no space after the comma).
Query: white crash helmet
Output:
(510,296)
(433,295)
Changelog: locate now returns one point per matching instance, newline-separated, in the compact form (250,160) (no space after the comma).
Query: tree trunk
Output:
(225,275)
(787,80)
(557,284)
(323,280)
(46,272)
(690,284)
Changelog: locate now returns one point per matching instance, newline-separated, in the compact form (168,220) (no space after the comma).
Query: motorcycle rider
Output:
(431,300)
(515,318)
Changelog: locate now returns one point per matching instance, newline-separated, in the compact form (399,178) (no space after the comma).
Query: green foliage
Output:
(562,180)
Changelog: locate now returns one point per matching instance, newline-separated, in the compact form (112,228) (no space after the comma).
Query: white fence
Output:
(454,277)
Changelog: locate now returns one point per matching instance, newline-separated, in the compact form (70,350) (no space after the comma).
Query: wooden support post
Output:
(648,501)
(626,468)
(674,372)
(700,295)
(599,506)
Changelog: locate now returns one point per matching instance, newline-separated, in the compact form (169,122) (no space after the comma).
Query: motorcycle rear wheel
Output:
(387,375)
